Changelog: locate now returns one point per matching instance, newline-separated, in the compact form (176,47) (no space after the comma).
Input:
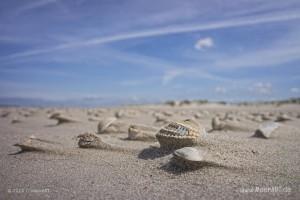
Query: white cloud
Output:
(204,43)
(262,88)
(191,72)
(295,90)
(220,90)
(170,75)
(34,5)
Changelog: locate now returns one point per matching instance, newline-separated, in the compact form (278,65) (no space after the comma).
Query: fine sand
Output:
(247,167)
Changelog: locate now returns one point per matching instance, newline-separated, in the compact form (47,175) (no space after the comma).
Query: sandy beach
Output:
(248,167)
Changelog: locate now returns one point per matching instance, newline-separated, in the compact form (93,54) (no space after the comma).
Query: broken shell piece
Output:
(119,114)
(88,140)
(40,145)
(198,115)
(141,132)
(266,117)
(218,125)
(188,157)
(160,118)
(15,120)
(266,129)
(108,125)
(61,119)
(179,134)
(4,114)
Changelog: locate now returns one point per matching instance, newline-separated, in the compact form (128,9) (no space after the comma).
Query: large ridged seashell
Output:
(179,134)
(188,157)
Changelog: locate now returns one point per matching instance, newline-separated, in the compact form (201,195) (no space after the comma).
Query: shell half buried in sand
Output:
(188,157)
(179,134)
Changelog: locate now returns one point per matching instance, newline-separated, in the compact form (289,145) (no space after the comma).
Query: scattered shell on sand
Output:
(107,125)
(4,114)
(40,145)
(179,134)
(283,118)
(266,117)
(218,125)
(266,129)
(257,118)
(89,140)
(141,132)
(198,115)
(160,118)
(188,157)
(15,120)
(61,119)
(119,114)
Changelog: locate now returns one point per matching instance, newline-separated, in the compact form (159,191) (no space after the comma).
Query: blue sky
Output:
(150,50)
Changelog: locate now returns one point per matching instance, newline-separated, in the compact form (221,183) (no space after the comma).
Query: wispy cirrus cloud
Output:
(34,5)
(160,32)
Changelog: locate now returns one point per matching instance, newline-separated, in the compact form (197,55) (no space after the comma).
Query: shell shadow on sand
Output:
(152,153)
(172,168)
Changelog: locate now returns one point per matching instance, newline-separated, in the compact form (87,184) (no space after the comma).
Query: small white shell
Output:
(188,157)
(189,153)
(266,129)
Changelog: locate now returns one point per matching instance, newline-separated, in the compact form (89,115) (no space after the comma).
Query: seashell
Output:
(266,117)
(168,114)
(266,129)
(54,115)
(88,140)
(119,114)
(188,157)
(179,134)
(218,125)
(283,118)
(257,118)
(230,117)
(41,145)
(160,118)
(15,120)
(198,115)
(62,119)
(141,132)
(104,124)
(4,114)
